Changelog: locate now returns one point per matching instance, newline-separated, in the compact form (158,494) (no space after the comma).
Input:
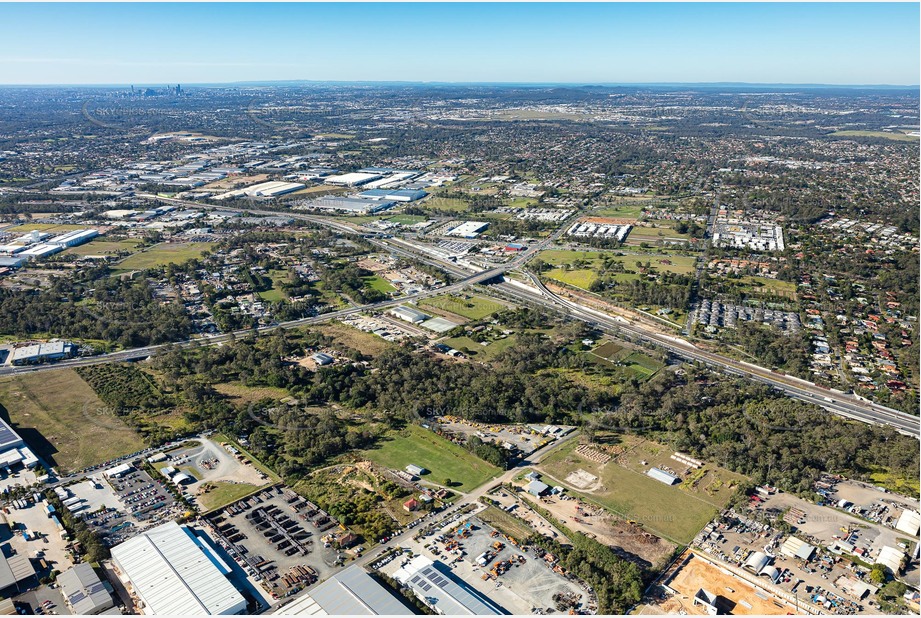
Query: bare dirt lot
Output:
(627,540)
(733,595)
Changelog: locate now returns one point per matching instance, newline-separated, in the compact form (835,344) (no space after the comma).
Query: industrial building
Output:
(408,314)
(270,189)
(433,583)
(663,476)
(14,570)
(322,359)
(891,558)
(797,548)
(348,593)
(118,471)
(170,569)
(13,450)
(83,591)
(909,522)
(42,352)
(353,179)
(398,195)
(350,205)
(12,262)
(74,238)
(537,488)
(41,251)
(11,249)
(468,229)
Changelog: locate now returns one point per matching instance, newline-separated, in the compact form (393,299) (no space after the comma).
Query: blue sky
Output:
(829,43)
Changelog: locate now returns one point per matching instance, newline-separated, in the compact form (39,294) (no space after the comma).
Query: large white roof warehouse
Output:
(170,570)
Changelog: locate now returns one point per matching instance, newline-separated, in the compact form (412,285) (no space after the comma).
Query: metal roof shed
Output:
(348,593)
(663,476)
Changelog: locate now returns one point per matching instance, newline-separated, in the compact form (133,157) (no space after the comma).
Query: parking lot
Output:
(42,600)
(276,537)
(119,508)
(522,584)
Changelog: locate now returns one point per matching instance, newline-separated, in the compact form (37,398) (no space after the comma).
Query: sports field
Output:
(466,306)
(675,513)
(164,253)
(444,460)
(63,421)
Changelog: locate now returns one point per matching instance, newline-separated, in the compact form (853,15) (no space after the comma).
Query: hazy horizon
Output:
(799,44)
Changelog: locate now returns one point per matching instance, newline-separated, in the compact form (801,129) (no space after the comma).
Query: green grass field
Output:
(475,350)
(103,247)
(670,512)
(225,493)
(581,278)
(344,335)
(273,295)
(445,203)
(55,228)
(764,285)
(63,421)
(379,283)
(650,235)
(466,306)
(407,219)
(443,459)
(165,253)
(899,137)
(627,210)
(241,392)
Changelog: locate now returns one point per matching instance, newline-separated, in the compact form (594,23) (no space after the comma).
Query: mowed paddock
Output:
(470,307)
(443,459)
(163,254)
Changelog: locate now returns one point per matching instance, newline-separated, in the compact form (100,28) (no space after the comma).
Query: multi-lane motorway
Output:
(844,404)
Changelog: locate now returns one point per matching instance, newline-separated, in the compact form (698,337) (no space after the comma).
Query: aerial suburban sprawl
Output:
(459,349)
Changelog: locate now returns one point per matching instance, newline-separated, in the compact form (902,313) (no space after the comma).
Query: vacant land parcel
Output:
(466,306)
(676,513)
(63,420)
(444,460)
(165,253)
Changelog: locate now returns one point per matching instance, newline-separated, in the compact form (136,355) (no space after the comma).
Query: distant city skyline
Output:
(627,43)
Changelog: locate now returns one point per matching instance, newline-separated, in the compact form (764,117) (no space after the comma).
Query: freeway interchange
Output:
(468,274)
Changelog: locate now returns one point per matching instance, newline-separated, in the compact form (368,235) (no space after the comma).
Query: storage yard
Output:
(277,537)
(518,580)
